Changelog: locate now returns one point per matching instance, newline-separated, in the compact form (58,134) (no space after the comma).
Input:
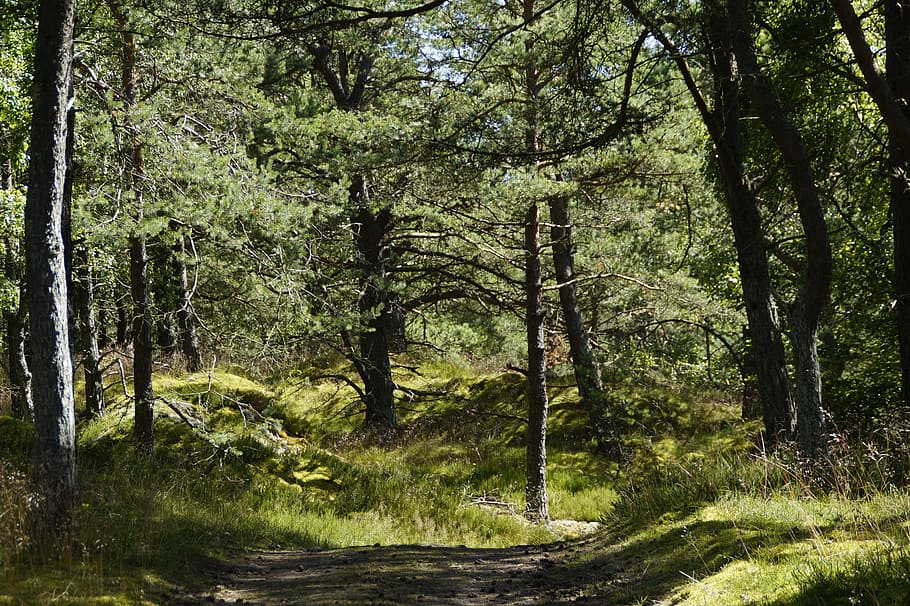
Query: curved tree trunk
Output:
(767,345)
(891,94)
(724,129)
(587,372)
(52,374)
(816,279)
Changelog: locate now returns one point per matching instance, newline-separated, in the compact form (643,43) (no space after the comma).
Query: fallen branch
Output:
(174,405)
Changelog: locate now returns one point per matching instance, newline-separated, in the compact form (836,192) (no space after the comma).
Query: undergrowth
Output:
(698,515)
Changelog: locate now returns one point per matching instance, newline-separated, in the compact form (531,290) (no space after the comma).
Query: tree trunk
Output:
(16,336)
(897,66)
(536,488)
(143,428)
(724,129)
(379,389)
(123,323)
(166,331)
(768,348)
(84,297)
(891,94)
(186,315)
(816,279)
(537,507)
(810,416)
(587,372)
(374,365)
(52,388)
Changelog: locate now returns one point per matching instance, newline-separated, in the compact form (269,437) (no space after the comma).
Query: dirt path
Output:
(408,574)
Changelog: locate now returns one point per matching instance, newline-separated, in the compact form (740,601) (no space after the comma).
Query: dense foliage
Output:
(350,191)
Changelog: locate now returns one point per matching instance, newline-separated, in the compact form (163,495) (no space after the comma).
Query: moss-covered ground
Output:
(695,517)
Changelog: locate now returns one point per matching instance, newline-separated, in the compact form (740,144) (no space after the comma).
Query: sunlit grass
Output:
(695,517)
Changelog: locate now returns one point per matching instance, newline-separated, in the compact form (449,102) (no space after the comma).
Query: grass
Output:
(243,465)
(696,517)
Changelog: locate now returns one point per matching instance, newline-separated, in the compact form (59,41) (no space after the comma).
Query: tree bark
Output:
(186,315)
(587,372)
(375,363)
(897,68)
(536,489)
(52,388)
(16,321)
(143,427)
(84,297)
(816,279)
(778,410)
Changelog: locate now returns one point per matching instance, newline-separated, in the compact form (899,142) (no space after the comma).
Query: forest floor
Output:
(407,574)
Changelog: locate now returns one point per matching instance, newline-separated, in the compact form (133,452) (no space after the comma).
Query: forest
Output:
(455,302)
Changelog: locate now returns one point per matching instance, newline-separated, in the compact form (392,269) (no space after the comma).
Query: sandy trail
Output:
(403,574)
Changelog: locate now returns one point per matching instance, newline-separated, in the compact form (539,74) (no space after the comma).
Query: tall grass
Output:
(699,516)
(242,467)
(748,528)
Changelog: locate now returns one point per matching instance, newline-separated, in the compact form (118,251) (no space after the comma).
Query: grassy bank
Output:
(283,465)
(696,517)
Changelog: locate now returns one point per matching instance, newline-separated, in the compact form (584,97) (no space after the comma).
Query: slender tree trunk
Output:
(16,337)
(19,374)
(778,409)
(143,428)
(816,279)
(186,315)
(536,488)
(84,297)
(142,346)
(379,388)
(725,132)
(52,388)
(587,372)
(537,507)
(123,322)
(897,66)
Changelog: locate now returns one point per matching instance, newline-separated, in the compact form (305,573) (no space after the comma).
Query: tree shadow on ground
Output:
(607,569)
